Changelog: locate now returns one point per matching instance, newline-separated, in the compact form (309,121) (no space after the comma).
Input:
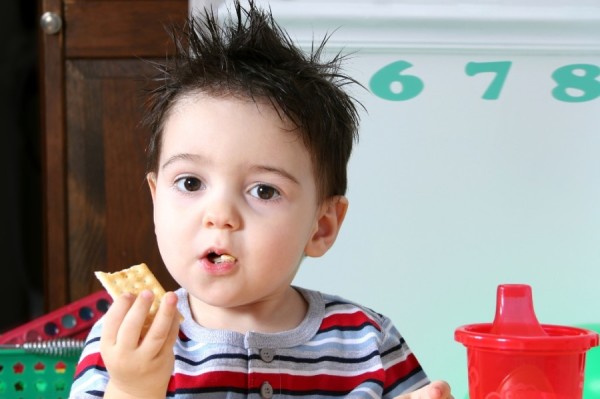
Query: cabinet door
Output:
(97,207)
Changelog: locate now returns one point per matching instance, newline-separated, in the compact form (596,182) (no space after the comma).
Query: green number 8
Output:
(384,83)
(586,82)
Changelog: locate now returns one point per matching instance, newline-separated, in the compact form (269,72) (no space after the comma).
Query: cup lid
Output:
(515,327)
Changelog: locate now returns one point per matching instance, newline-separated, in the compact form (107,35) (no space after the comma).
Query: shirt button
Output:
(267,355)
(266,390)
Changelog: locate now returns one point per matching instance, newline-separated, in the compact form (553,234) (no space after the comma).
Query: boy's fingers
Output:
(133,322)
(164,326)
(114,317)
(440,390)
(435,390)
(174,332)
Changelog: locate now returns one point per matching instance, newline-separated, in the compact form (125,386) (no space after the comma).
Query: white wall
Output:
(451,194)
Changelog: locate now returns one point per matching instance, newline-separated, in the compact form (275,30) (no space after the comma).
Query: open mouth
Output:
(220,258)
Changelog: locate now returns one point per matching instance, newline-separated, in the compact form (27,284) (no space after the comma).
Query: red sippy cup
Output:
(516,357)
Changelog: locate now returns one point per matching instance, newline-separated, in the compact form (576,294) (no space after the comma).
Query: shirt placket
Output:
(261,359)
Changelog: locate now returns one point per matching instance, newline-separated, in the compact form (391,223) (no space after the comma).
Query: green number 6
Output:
(390,84)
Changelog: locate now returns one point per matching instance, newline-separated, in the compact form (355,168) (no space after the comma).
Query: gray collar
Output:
(285,339)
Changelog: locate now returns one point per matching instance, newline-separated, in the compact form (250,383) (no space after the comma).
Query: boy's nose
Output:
(222,214)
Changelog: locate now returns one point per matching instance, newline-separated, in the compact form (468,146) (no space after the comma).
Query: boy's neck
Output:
(282,313)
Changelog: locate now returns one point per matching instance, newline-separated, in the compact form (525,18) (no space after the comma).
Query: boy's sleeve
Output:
(91,377)
(403,372)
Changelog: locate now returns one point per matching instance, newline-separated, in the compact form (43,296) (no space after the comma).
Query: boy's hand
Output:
(435,390)
(139,367)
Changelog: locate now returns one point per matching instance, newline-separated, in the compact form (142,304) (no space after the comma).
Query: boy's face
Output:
(234,181)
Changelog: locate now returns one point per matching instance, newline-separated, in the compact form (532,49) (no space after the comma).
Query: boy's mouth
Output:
(218,259)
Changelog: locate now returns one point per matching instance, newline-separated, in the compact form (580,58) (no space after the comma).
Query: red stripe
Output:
(92,360)
(212,379)
(401,370)
(355,319)
(286,382)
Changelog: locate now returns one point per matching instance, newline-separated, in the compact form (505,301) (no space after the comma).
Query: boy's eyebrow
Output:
(254,168)
(275,170)
(181,157)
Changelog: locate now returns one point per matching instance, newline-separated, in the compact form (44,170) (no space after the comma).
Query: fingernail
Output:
(170,298)
(147,294)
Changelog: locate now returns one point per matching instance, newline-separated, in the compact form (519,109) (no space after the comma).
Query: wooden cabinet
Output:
(97,207)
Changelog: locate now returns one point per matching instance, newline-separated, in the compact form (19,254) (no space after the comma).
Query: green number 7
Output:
(500,68)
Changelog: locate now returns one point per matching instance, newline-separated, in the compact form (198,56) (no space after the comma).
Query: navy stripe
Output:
(85,370)
(397,348)
(198,390)
(335,359)
(362,326)
(212,358)
(408,376)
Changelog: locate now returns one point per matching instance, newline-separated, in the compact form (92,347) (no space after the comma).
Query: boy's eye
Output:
(189,184)
(264,192)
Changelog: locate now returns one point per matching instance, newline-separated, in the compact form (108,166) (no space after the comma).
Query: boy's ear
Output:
(331,216)
(151,179)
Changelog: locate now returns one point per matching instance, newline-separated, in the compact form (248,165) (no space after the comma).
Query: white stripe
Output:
(306,373)
(368,391)
(90,349)
(198,346)
(349,309)
(202,369)
(343,341)
(396,359)
(321,371)
(388,328)
(92,381)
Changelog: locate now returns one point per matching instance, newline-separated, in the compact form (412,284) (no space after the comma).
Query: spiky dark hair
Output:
(250,55)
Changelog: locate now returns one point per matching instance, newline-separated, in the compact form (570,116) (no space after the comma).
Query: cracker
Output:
(134,280)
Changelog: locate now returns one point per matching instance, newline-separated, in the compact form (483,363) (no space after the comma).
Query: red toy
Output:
(70,321)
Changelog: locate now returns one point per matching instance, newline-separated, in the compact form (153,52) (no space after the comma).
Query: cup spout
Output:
(515,315)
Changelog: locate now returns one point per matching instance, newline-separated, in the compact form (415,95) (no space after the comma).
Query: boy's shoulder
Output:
(342,310)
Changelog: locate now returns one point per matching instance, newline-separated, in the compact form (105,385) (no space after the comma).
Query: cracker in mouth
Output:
(222,258)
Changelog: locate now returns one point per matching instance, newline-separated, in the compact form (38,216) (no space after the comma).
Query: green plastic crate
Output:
(25,375)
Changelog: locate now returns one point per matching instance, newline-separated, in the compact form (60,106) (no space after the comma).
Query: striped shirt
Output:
(340,349)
